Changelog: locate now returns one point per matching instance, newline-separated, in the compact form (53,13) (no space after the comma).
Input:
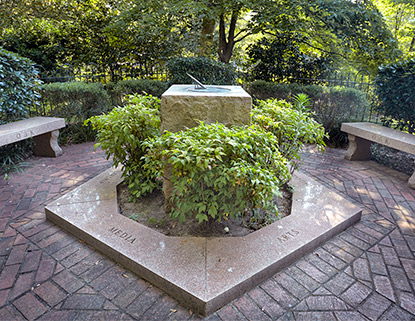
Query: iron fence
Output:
(361,80)
(92,72)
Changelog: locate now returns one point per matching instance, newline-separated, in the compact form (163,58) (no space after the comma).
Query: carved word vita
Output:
(289,235)
(121,234)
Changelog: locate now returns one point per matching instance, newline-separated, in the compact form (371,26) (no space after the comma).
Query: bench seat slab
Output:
(44,130)
(361,135)
(382,135)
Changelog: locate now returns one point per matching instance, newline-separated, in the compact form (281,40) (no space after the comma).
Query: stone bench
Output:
(361,135)
(44,130)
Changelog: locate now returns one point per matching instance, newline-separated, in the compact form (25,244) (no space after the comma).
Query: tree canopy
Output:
(111,32)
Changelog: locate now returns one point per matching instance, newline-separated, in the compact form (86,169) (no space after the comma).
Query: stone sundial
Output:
(199,87)
(197,83)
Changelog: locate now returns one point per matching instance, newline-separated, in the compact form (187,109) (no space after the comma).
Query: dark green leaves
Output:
(394,87)
(121,134)
(220,172)
(19,89)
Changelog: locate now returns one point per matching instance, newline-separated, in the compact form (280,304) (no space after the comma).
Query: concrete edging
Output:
(202,273)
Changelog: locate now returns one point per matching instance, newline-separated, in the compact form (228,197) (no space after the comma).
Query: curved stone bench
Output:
(44,130)
(361,135)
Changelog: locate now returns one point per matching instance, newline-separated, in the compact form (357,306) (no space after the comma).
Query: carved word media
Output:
(121,234)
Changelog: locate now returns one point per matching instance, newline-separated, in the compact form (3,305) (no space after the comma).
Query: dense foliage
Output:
(220,172)
(18,86)
(115,33)
(281,59)
(400,18)
(292,128)
(331,105)
(55,32)
(19,93)
(121,134)
(208,71)
(394,87)
(217,172)
(76,102)
(122,88)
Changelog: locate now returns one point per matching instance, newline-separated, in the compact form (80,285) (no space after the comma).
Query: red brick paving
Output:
(365,273)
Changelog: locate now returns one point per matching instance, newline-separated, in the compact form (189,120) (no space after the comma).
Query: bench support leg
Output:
(359,149)
(411,181)
(47,145)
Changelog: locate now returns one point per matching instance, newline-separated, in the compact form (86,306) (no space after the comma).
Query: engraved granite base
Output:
(203,274)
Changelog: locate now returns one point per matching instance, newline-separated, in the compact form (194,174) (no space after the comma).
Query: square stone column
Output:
(182,106)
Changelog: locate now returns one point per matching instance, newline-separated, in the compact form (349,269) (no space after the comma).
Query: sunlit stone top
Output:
(182,106)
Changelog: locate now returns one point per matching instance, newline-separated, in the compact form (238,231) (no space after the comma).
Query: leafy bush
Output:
(122,88)
(331,105)
(336,105)
(394,87)
(38,39)
(220,172)
(217,172)
(208,71)
(121,134)
(261,89)
(281,59)
(76,102)
(291,127)
(18,86)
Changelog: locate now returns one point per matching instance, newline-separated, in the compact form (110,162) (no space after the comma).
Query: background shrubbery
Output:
(18,86)
(122,88)
(282,60)
(18,96)
(331,105)
(395,90)
(208,71)
(76,102)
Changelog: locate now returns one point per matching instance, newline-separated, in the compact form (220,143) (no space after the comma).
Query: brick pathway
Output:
(365,273)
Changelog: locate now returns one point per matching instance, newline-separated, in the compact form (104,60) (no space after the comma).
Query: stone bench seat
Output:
(361,135)
(44,130)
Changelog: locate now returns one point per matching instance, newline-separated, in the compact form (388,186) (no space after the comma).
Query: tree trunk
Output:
(411,46)
(226,44)
(206,41)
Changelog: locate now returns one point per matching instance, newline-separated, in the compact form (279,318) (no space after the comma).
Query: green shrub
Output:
(76,102)
(208,71)
(263,90)
(331,105)
(336,105)
(220,172)
(292,128)
(38,39)
(19,86)
(281,59)
(216,172)
(122,88)
(395,90)
(121,134)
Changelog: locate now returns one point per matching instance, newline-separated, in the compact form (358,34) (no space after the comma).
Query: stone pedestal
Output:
(411,181)
(182,107)
(359,149)
(47,145)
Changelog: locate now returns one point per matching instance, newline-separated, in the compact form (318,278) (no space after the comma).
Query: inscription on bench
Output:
(289,235)
(121,234)
(25,134)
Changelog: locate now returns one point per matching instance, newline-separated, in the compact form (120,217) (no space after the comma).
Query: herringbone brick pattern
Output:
(365,273)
